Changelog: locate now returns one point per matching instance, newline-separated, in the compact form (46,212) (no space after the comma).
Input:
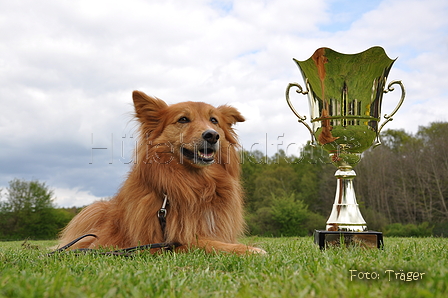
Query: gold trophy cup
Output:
(345,92)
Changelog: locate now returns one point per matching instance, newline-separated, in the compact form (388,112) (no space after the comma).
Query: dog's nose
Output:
(210,136)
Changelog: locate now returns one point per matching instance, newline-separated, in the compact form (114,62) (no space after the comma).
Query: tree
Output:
(28,211)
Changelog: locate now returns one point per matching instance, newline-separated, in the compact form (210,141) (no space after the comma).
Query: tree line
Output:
(401,187)
(406,180)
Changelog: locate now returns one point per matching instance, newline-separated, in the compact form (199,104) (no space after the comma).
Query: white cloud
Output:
(65,197)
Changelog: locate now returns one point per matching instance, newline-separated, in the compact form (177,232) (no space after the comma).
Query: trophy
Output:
(345,93)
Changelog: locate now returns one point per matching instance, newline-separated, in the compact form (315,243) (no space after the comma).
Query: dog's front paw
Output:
(256,250)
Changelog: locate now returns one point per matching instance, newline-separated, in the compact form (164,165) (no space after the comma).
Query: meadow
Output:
(293,267)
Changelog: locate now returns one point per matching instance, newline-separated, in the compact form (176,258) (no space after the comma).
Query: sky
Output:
(68,69)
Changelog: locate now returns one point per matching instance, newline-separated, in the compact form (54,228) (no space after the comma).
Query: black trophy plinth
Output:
(367,239)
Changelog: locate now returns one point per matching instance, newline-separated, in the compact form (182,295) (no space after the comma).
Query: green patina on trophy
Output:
(345,93)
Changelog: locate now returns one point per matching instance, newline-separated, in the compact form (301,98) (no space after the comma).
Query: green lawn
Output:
(293,267)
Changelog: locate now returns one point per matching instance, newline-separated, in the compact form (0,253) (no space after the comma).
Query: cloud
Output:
(67,71)
(65,197)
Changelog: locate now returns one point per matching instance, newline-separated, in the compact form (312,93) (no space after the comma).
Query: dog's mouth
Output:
(204,155)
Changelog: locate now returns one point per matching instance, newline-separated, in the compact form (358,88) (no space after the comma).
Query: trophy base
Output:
(367,239)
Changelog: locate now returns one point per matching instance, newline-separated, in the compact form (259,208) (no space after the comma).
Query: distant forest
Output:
(401,187)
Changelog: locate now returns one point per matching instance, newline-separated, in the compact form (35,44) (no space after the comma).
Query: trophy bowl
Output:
(345,93)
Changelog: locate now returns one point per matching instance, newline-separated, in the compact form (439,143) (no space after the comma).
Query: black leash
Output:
(161,214)
(72,243)
(127,252)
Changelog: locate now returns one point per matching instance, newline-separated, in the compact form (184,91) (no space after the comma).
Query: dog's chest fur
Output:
(209,217)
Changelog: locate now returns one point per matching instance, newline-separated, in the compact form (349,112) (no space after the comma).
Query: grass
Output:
(294,267)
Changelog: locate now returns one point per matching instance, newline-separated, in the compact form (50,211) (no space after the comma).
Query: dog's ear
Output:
(231,114)
(147,110)
(146,105)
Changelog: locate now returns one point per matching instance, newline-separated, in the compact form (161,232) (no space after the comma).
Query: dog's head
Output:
(195,133)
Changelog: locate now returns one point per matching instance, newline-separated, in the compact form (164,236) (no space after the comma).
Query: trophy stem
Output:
(345,215)
(346,226)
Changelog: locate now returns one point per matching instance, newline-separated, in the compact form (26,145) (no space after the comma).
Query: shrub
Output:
(409,230)
(286,216)
(440,229)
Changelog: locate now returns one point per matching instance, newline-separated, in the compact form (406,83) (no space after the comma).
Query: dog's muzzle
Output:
(204,152)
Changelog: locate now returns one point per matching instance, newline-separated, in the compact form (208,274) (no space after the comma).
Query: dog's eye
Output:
(183,120)
(214,120)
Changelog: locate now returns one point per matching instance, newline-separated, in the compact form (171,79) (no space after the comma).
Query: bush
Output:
(409,230)
(286,216)
(440,229)
(260,222)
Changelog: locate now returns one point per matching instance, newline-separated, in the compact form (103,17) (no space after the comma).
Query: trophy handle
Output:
(301,118)
(389,117)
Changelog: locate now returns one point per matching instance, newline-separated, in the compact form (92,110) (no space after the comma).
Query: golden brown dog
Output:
(187,153)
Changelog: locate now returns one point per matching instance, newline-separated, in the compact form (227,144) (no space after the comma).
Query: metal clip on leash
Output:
(161,214)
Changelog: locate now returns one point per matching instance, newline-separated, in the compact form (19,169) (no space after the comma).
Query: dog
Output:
(187,167)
